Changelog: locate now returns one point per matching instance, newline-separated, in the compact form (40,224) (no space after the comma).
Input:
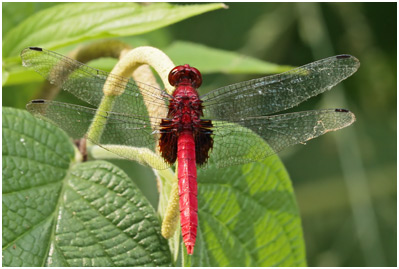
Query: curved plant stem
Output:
(171,219)
(104,48)
(100,119)
(128,63)
(168,209)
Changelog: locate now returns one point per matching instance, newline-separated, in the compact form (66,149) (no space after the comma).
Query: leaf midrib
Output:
(56,210)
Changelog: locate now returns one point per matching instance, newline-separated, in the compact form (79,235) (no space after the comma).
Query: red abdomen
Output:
(187,175)
(187,138)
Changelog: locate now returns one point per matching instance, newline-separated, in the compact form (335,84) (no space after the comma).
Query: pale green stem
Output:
(114,86)
(103,48)
(171,218)
(169,210)
(100,119)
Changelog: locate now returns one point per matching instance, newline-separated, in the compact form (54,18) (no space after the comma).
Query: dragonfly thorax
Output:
(185,111)
(185,108)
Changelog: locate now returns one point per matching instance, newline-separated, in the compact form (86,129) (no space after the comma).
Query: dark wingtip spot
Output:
(341,110)
(36,48)
(38,101)
(343,56)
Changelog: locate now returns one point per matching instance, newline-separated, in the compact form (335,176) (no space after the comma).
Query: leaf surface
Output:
(248,216)
(71,23)
(212,60)
(60,213)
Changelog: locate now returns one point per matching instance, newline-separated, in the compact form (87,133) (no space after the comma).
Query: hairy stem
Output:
(129,62)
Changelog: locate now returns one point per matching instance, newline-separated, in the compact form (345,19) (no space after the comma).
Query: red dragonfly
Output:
(176,128)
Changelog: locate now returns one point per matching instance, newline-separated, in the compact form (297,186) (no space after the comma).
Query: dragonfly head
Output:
(185,73)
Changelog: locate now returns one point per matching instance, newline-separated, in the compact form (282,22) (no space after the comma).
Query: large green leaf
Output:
(211,60)
(248,216)
(14,13)
(60,213)
(70,23)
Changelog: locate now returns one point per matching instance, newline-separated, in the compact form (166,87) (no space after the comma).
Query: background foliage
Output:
(345,182)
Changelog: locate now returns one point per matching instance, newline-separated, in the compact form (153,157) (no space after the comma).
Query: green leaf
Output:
(211,60)
(165,179)
(60,213)
(71,23)
(21,75)
(5,75)
(13,13)
(248,216)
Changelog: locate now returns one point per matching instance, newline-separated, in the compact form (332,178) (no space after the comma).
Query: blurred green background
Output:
(345,181)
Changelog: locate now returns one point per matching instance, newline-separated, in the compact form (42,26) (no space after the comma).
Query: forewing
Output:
(268,95)
(238,142)
(87,83)
(120,134)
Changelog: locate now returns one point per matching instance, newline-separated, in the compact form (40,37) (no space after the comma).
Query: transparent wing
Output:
(123,130)
(238,142)
(87,83)
(268,95)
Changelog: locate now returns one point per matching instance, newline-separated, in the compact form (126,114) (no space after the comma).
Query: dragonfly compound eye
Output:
(183,73)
